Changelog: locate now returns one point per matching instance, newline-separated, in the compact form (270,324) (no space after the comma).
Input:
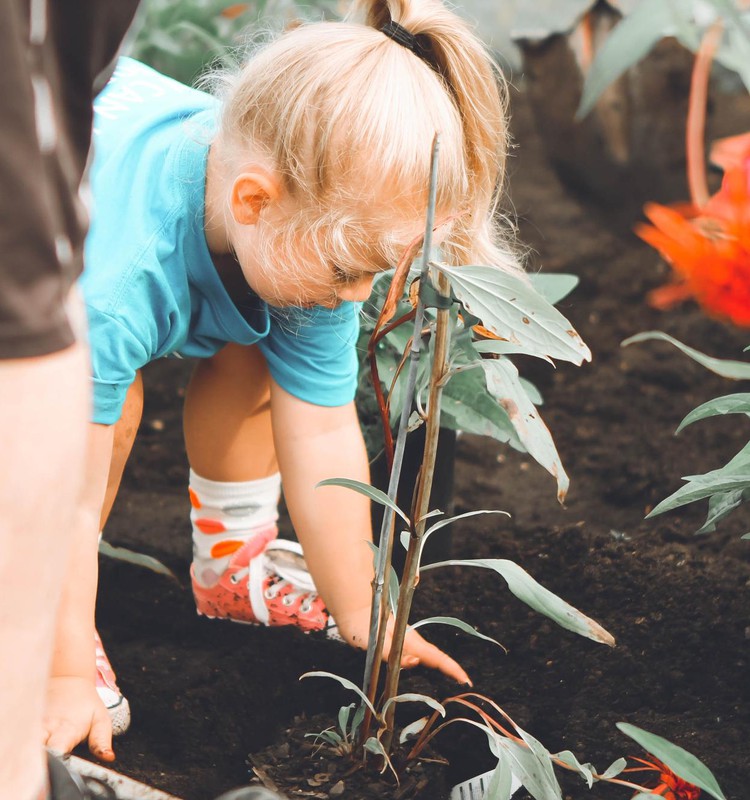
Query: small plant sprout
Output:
(727,487)
(343,739)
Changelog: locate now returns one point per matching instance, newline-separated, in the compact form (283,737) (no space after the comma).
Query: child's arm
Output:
(74,711)
(333,523)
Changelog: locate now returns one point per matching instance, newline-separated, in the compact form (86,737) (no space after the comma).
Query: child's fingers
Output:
(430,656)
(59,736)
(100,736)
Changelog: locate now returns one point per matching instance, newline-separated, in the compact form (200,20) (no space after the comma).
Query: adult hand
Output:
(354,628)
(74,714)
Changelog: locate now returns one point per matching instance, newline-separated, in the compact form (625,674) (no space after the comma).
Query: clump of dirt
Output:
(207,697)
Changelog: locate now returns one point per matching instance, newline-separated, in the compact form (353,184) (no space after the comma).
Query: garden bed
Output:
(208,697)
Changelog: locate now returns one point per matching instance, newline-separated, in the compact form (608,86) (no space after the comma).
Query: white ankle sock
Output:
(225,515)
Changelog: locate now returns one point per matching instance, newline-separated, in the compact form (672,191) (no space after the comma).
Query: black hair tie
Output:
(408,40)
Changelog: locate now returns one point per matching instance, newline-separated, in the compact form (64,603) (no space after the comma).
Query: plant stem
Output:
(410,577)
(380,611)
(696,120)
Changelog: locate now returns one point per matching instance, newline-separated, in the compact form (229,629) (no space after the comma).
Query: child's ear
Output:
(252,191)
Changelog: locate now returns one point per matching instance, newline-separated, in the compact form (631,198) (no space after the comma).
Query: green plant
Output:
(470,397)
(183,38)
(685,775)
(510,317)
(686,20)
(540,19)
(343,740)
(727,487)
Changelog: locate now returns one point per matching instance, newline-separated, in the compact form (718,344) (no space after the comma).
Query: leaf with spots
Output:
(512,309)
(504,384)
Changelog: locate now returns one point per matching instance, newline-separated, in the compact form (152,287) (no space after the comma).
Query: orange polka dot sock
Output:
(225,516)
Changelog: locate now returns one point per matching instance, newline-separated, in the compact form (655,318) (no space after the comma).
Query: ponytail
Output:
(478,89)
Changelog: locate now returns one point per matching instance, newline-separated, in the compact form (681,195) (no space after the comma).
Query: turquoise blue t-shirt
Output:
(150,286)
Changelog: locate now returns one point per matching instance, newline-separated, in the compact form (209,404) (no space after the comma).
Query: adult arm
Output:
(75,712)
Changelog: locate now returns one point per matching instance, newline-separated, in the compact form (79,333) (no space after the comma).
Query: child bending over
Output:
(245,232)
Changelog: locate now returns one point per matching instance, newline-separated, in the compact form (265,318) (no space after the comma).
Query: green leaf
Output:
(163,41)
(364,488)
(394,590)
(733,476)
(554,287)
(530,766)
(734,54)
(720,506)
(531,392)
(374,745)
(737,370)
(344,713)
(626,45)
(131,557)
(450,520)
(501,785)
(347,684)
(699,487)
(359,715)
(525,588)
(614,769)
(506,349)
(505,761)
(467,406)
(683,764)
(745,536)
(504,384)
(728,404)
(586,771)
(543,18)
(412,729)
(413,697)
(329,736)
(511,308)
(456,623)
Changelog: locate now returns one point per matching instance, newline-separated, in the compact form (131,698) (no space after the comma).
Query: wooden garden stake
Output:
(380,606)
(410,576)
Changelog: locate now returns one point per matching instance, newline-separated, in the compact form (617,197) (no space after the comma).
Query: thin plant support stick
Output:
(410,577)
(380,610)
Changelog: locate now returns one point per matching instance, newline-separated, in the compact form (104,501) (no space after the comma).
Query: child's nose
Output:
(357,292)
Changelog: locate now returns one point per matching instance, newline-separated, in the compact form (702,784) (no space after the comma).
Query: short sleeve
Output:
(116,355)
(311,353)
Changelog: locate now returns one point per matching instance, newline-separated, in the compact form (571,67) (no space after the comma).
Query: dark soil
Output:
(208,697)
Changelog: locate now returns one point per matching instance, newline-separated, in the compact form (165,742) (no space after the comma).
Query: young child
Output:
(244,233)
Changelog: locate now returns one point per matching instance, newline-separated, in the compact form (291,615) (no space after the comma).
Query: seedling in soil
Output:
(508,316)
(727,487)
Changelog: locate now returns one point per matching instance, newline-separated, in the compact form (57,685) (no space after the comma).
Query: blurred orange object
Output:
(708,248)
(671,787)
(235,10)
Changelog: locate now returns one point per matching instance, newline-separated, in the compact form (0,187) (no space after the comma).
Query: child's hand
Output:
(74,714)
(354,628)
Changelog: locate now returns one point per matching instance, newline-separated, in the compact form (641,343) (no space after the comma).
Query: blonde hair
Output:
(347,117)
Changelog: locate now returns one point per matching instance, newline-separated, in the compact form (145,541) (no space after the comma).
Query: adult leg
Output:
(44,386)
(42,439)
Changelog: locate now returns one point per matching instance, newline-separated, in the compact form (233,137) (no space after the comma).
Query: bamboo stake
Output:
(410,578)
(380,610)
